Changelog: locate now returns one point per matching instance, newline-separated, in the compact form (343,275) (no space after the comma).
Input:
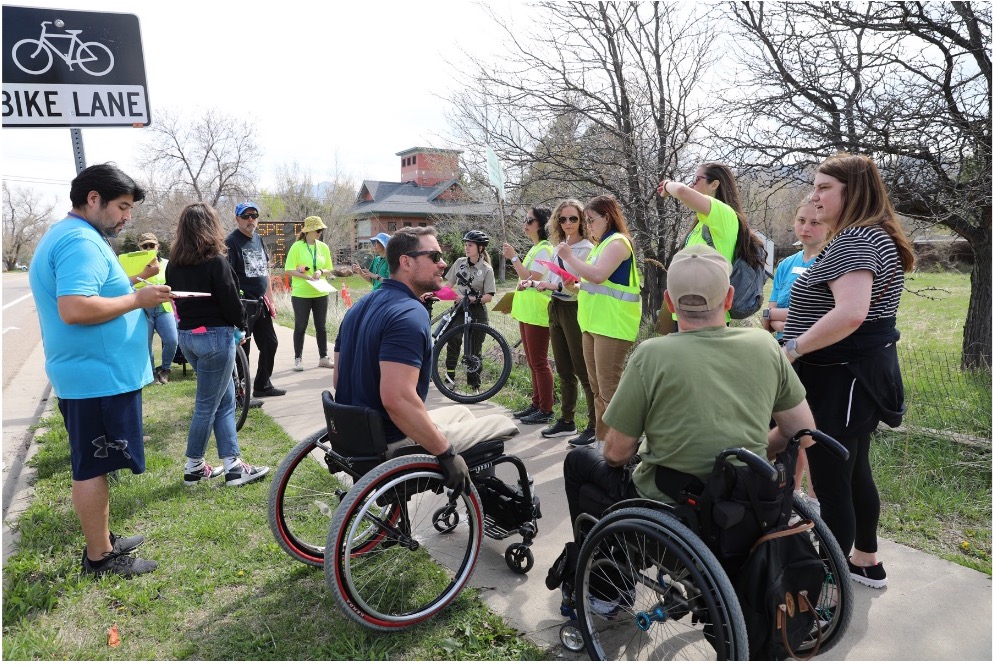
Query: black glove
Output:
(457,476)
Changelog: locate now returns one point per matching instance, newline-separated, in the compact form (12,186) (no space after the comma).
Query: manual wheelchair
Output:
(648,587)
(396,545)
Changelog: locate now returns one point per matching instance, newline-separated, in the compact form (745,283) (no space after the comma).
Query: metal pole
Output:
(76,136)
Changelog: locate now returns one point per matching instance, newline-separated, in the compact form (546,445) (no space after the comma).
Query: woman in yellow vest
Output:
(609,306)
(308,263)
(531,309)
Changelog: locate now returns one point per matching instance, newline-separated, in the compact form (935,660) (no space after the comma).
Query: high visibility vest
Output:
(531,306)
(611,309)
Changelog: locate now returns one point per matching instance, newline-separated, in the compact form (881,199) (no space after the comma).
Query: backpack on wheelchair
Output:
(340,500)
(727,569)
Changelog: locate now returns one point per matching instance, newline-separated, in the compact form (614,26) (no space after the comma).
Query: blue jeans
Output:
(164,323)
(212,356)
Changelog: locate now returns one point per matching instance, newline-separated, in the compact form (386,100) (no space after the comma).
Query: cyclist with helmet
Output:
(476,269)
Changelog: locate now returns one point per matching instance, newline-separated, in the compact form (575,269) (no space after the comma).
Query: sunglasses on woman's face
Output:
(573,219)
(530,220)
(148,246)
(434,255)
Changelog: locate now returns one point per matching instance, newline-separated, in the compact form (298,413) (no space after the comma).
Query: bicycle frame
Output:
(45,40)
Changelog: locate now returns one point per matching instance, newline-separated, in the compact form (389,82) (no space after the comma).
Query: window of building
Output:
(392,226)
(422,224)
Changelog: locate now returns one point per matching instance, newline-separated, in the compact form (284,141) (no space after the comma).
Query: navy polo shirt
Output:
(389,324)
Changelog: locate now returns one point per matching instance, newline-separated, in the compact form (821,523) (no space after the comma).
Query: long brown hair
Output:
(198,236)
(607,206)
(866,201)
(729,194)
(554,228)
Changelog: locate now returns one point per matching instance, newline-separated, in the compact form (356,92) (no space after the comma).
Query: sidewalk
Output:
(931,610)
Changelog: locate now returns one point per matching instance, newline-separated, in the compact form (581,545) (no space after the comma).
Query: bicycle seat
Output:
(73,32)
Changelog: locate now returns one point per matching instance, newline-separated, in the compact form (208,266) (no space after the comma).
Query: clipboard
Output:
(134,263)
(322,285)
(504,303)
(557,270)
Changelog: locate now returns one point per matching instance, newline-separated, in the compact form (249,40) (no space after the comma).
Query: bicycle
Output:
(486,360)
(86,52)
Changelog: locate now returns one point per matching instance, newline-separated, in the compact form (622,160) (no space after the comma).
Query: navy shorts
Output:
(105,434)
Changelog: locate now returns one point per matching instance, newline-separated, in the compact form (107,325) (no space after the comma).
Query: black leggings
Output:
(303,307)
(849,502)
(478,313)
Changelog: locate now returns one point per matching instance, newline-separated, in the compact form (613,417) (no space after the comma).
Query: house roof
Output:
(409,199)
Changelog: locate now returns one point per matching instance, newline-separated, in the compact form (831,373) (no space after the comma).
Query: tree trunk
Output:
(977,342)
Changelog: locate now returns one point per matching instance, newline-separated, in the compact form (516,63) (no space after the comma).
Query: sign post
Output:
(496,176)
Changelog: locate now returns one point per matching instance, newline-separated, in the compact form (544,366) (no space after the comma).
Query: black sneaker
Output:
(586,438)
(254,403)
(537,417)
(873,576)
(205,473)
(242,473)
(118,563)
(269,392)
(561,428)
(123,544)
(531,409)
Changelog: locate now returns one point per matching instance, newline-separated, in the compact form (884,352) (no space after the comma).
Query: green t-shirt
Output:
(379,268)
(698,392)
(313,257)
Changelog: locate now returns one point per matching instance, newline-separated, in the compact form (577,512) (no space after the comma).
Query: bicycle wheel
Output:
(240,375)
(94,58)
(418,568)
(480,371)
(836,602)
(304,494)
(648,588)
(36,59)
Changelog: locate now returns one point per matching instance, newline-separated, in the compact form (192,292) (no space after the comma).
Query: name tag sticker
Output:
(798,270)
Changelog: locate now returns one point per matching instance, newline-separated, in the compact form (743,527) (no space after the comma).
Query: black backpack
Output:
(748,282)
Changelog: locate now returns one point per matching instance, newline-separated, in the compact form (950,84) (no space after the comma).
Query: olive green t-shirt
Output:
(698,392)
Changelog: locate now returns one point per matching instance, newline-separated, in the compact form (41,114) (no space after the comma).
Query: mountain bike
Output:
(470,361)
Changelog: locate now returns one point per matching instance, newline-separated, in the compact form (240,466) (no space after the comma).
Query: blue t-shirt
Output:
(389,324)
(786,273)
(87,360)
(621,274)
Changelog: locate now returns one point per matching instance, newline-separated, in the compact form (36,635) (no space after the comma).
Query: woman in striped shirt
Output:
(841,335)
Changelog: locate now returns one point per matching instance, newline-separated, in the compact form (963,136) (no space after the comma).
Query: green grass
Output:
(224,590)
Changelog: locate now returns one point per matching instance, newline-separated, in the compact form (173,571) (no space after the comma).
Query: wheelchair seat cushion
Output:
(482,452)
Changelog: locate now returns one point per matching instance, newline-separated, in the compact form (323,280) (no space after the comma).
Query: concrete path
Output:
(931,610)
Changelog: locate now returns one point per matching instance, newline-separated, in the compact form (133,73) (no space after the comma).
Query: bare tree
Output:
(595,98)
(25,219)
(907,83)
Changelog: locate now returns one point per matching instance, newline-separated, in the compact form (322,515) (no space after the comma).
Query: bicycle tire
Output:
(39,48)
(242,380)
(668,587)
(418,570)
(491,368)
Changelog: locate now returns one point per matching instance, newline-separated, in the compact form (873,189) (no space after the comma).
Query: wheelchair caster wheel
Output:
(519,558)
(570,636)
(445,519)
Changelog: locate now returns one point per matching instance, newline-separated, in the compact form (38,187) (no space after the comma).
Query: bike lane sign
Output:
(72,69)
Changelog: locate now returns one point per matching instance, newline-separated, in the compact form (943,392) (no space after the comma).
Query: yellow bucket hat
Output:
(313,223)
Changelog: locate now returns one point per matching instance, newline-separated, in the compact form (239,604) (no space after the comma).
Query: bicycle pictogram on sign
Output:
(34,56)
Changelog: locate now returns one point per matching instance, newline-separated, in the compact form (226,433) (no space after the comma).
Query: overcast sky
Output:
(353,82)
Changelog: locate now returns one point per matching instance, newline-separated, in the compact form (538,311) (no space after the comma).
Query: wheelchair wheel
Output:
(416,571)
(304,495)
(480,372)
(242,383)
(519,558)
(836,602)
(649,589)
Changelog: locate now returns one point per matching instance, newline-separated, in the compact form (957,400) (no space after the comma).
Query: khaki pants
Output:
(565,339)
(605,358)
(462,429)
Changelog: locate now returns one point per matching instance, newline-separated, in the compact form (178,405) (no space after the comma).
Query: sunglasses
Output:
(249,216)
(435,256)
(573,219)
(148,246)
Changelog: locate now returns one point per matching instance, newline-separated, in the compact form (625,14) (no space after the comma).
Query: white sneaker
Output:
(449,381)
(241,473)
(325,362)
(298,364)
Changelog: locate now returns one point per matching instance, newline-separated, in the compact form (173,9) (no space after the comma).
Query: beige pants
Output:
(605,359)
(462,429)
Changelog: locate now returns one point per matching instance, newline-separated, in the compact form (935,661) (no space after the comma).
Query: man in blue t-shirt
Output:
(95,337)
(383,355)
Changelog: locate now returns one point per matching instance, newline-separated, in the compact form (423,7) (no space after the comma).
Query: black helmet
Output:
(475,236)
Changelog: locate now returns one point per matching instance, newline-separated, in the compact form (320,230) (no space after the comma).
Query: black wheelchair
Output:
(647,586)
(396,545)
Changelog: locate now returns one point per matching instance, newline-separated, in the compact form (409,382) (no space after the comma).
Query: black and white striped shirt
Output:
(854,249)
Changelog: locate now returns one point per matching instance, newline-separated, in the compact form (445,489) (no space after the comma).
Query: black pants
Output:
(592,485)
(478,313)
(303,309)
(266,342)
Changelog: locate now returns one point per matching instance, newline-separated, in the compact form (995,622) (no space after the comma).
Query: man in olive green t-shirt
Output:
(693,393)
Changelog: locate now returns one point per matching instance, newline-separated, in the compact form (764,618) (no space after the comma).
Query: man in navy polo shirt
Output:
(383,355)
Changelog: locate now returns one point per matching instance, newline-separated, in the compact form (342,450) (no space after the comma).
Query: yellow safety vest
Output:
(531,306)
(611,309)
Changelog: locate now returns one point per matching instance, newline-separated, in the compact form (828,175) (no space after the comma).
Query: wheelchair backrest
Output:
(354,431)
